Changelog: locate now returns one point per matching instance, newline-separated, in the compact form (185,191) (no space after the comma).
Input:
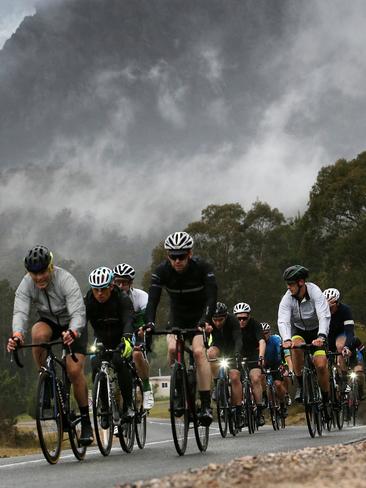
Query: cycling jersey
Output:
(228,338)
(273,356)
(341,322)
(139,299)
(251,334)
(110,320)
(358,351)
(192,293)
(311,313)
(61,302)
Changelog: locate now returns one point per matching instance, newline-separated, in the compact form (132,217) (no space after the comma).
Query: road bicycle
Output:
(336,397)
(274,407)
(54,412)
(183,404)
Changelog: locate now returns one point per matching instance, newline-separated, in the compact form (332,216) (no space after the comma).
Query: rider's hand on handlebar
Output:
(287,344)
(14,341)
(147,328)
(69,336)
(318,342)
(346,352)
(261,362)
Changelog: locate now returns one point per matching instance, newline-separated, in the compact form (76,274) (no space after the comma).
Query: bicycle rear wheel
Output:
(74,435)
(222,405)
(48,418)
(179,414)
(140,414)
(102,414)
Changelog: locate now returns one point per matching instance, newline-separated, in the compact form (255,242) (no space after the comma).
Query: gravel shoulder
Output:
(328,466)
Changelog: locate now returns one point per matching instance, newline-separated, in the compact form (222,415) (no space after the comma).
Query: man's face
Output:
(41,279)
(123,283)
(219,321)
(102,295)
(297,289)
(180,261)
(266,334)
(243,319)
(333,305)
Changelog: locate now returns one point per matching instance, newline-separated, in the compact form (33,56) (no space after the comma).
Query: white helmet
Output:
(241,308)
(124,269)
(101,277)
(332,294)
(179,241)
(265,327)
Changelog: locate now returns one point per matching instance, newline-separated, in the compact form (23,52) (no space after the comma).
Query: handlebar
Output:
(46,345)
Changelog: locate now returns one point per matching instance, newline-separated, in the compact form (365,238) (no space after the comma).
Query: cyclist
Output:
(124,275)
(274,358)
(303,317)
(192,289)
(341,327)
(225,339)
(57,297)
(357,361)
(110,313)
(253,347)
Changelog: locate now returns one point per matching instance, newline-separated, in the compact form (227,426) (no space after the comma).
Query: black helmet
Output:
(295,273)
(37,259)
(220,310)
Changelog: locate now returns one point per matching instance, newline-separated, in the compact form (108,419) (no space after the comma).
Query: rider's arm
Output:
(74,302)
(284,317)
(210,284)
(322,310)
(22,304)
(127,314)
(157,283)
(349,326)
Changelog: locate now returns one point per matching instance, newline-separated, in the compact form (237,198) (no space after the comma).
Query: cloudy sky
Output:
(311,113)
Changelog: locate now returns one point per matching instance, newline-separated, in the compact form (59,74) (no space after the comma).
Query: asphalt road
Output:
(159,457)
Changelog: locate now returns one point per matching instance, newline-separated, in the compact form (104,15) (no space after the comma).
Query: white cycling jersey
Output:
(311,313)
(139,299)
(62,302)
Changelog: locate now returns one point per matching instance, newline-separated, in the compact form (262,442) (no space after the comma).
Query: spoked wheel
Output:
(273,409)
(354,403)
(126,433)
(310,407)
(222,405)
(340,413)
(233,428)
(201,432)
(179,414)
(140,414)
(74,435)
(250,410)
(48,418)
(102,414)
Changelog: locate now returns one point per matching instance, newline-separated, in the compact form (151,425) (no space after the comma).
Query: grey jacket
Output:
(65,299)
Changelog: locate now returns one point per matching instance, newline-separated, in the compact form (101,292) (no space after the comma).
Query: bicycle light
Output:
(353,375)
(224,363)
(93,348)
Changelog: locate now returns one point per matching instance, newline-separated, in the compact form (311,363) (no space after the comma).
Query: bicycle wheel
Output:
(126,430)
(310,409)
(179,413)
(74,435)
(102,414)
(48,418)
(273,409)
(233,429)
(354,404)
(201,432)
(222,405)
(140,414)
(250,409)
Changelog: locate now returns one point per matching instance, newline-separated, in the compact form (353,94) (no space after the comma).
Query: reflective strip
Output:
(156,286)
(349,322)
(155,276)
(188,290)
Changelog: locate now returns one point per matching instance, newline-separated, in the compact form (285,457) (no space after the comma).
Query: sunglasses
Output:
(178,257)
(242,318)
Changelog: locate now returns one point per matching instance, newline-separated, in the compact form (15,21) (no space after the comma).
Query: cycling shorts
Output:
(78,346)
(308,336)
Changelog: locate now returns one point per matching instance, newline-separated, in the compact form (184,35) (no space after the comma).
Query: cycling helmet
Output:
(295,273)
(265,327)
(38,259)
(124,269)
(220,310)
(101,277)
(241,308)
(178,242)
(332,294)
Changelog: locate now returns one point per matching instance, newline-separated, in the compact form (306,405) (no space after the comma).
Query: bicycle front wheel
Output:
(140,414)
(102,414)
(309,404)
(222,405)
(48,418)
(250,409)
(179,414)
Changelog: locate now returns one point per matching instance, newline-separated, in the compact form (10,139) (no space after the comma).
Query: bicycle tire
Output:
(49,418)
(140,414)
(222,405)
(250,409)
(273,409)
(74,425)
(201,432)
(308,396)
(126,430)
(354,410)
(103,436)
(232,423)
(178,406)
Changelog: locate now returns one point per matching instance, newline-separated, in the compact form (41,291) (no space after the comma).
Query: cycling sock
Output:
(146,385)
(84,412)
(299,380)
(205,397)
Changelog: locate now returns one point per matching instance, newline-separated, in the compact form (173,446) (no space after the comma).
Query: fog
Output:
(148,166)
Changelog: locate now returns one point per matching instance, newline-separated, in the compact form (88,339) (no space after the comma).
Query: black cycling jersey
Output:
(110,320)
(193,293)
(251,334)
(341,322)
(228,338)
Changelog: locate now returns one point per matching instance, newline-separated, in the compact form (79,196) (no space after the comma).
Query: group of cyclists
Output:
(123,317)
